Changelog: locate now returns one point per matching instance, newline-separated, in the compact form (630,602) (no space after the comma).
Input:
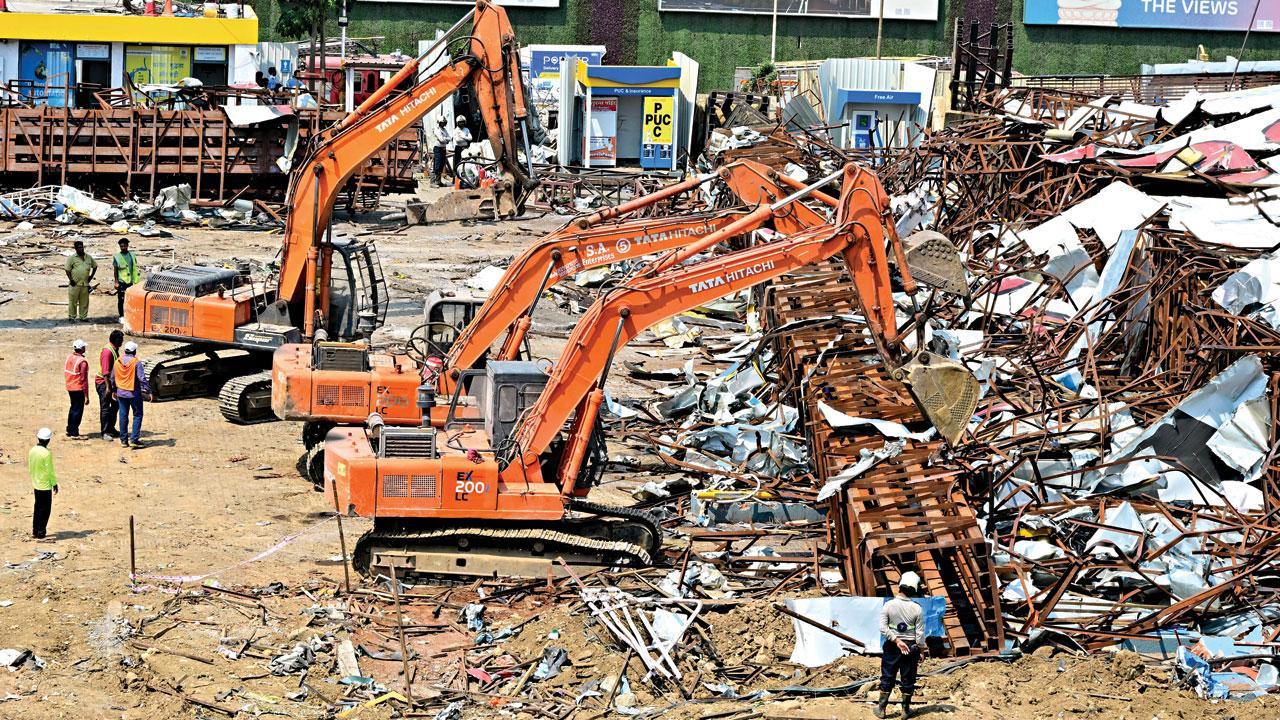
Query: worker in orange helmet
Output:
(75,373)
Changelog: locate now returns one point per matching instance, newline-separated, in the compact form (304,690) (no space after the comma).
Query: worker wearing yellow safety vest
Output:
(43,480)
(127,274)
(131,386)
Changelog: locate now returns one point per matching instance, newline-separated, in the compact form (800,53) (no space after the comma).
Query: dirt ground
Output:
(206,498)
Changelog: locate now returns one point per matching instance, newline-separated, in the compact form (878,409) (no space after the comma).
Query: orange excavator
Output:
(326,286)
(505,492)
(326,384)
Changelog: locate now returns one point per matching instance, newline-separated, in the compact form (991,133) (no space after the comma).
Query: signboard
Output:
(893,9)
(548,61)
(1174,14)
(657,132)
(157,64)
(602,145)
(93,51)
(211,54)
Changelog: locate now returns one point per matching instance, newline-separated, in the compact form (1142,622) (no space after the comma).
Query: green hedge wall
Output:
(718,42)
(721,42)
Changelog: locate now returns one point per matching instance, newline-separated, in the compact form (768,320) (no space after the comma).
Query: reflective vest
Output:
(126,373)
(76,372)
(98,377)
(127,268)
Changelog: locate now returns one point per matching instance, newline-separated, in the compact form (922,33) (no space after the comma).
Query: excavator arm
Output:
(490,65)
(858,235)
(598,240)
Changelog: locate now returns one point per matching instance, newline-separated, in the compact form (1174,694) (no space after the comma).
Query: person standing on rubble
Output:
(80,270)
(461,141)
(131,389)
(439,146)
(127,274)
(902,634)
(43,480)
(104,382)
(75,373)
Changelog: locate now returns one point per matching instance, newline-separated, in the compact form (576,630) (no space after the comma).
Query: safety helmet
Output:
(461,119)
(44,434)
(909,580)
(130,348)
(78,345)
(443,120)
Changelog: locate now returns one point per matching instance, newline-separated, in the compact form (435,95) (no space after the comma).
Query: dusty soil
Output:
(207,498)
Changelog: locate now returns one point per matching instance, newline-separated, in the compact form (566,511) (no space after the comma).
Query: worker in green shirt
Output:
(125,265)
(80,271)
(45,482)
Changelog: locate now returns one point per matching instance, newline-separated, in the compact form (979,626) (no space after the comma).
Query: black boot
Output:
(906,706)
(882,707)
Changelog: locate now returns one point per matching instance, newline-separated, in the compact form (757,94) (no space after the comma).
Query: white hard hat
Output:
(460,119)
(44,434)
(78,345)
(443,120)
(909,580)
(130,348)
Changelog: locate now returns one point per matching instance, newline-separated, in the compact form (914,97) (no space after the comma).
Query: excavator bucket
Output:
(935,261)
(945,391)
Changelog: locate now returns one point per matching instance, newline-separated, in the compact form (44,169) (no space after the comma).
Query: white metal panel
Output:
(921,79)
(854,74)
(688,100)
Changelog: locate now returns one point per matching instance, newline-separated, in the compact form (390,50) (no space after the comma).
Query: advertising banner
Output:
(157,64)
(1173,14)
(503,3)
(603,142)
(50,70)
(548,61)
(892,9)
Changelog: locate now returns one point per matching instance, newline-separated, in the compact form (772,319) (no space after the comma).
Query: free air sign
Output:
(659,127)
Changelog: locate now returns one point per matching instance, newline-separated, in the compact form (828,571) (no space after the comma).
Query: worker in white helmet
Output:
(131,388)
(461,141)
(43,480)
(439,145)
(75,375)
(902,634)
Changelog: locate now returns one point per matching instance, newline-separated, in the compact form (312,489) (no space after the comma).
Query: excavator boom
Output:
(498,493)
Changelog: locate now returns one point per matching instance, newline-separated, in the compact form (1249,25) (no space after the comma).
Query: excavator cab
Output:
(357,290)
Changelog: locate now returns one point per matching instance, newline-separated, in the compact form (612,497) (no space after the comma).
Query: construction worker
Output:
(902,633)
(439,145)
(125,269)
(131,388)
(43,480)
(80,270)
(461,141)
(75,373)
(104,382)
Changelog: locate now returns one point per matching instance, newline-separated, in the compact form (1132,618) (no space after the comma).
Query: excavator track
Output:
(636,516)
(246,399)
(486,551)
(196,370)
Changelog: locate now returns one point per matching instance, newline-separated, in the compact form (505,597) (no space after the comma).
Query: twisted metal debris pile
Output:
(1118,482)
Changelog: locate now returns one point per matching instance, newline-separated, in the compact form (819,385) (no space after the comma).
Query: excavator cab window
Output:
(466,407)
(357,291)
(446,320)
